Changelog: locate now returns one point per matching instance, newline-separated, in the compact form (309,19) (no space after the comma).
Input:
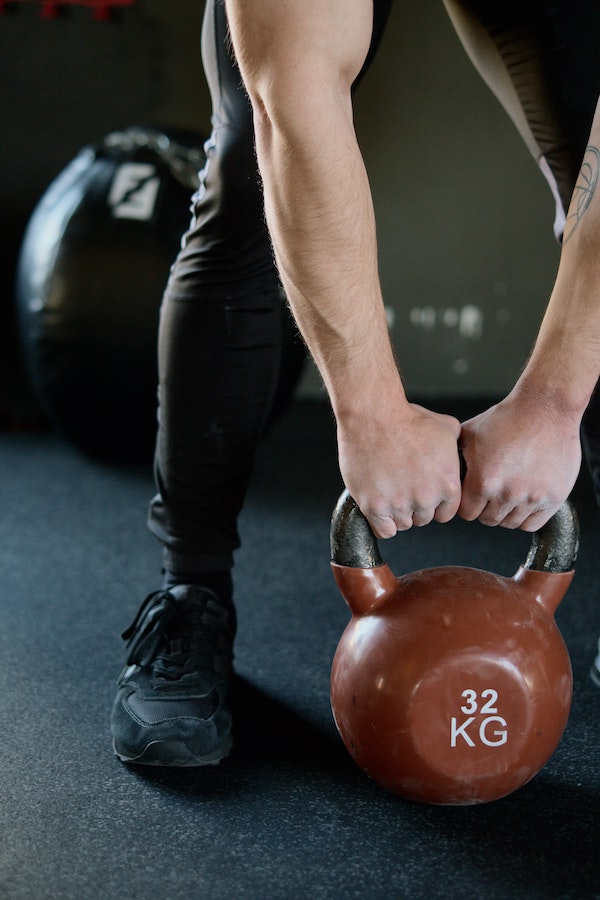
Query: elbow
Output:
(294,108)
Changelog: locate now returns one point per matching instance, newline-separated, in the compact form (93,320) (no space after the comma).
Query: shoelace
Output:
(172,635)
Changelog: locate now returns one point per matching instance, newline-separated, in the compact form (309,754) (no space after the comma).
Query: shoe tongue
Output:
(183,639)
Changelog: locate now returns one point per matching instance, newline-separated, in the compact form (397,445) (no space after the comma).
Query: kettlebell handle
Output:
(553,548)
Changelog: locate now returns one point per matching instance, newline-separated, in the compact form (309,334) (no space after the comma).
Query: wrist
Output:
(368,399)
(544,394)
(564,366)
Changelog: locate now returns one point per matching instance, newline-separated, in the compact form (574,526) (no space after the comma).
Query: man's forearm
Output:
(320,216)
(299,61)
(565,363)
(523,455)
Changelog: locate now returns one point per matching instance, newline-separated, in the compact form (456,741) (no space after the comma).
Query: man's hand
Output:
(402,468)
(523,457)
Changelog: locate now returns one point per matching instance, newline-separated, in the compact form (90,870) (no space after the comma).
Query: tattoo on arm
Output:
(584,190)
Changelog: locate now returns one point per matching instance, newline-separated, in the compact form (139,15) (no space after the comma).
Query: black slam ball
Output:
(92,268)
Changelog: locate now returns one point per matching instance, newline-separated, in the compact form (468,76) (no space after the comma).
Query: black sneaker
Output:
(171,708)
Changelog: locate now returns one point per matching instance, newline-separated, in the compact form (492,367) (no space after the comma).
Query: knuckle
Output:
(421,518)
(510,524)
(444,513)
(404,524)
(489,519)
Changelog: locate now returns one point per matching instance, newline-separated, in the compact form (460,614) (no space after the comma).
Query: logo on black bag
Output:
(133,191)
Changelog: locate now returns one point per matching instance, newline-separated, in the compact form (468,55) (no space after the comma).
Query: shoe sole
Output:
(174,753)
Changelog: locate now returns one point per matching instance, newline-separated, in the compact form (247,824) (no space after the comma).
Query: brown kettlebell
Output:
(451,685)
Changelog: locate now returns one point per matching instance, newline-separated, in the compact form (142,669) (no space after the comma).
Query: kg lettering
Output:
(482,723)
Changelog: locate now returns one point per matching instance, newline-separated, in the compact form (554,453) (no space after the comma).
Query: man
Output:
(220,335)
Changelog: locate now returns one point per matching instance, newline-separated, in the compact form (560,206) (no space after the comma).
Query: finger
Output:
(422,517)
(383,526)
(447,509)
(404,521)
(507,514)
(514,520)
(470,509)
(496,513)
(523,510)
(532,521)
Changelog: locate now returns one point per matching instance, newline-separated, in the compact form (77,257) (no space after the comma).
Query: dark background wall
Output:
(464,217)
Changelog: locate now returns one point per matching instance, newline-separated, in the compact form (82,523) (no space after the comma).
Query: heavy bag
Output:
(93,265)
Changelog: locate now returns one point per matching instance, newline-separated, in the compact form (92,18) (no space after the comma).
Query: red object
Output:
(51,9)
(451,685)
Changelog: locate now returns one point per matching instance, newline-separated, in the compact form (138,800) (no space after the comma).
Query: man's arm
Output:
(524,454)
(299,59)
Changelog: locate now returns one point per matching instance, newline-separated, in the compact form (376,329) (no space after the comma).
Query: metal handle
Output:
(553,548)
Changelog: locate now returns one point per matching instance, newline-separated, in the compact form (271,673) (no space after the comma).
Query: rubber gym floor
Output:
(289,814)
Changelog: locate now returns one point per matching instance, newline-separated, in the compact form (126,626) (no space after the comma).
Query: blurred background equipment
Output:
(93,264)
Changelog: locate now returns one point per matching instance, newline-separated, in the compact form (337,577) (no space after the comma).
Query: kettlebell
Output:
(451,685)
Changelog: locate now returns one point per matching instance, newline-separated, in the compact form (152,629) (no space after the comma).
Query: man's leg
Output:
(220,355)
(225,335)
(225,339)
(219,339)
